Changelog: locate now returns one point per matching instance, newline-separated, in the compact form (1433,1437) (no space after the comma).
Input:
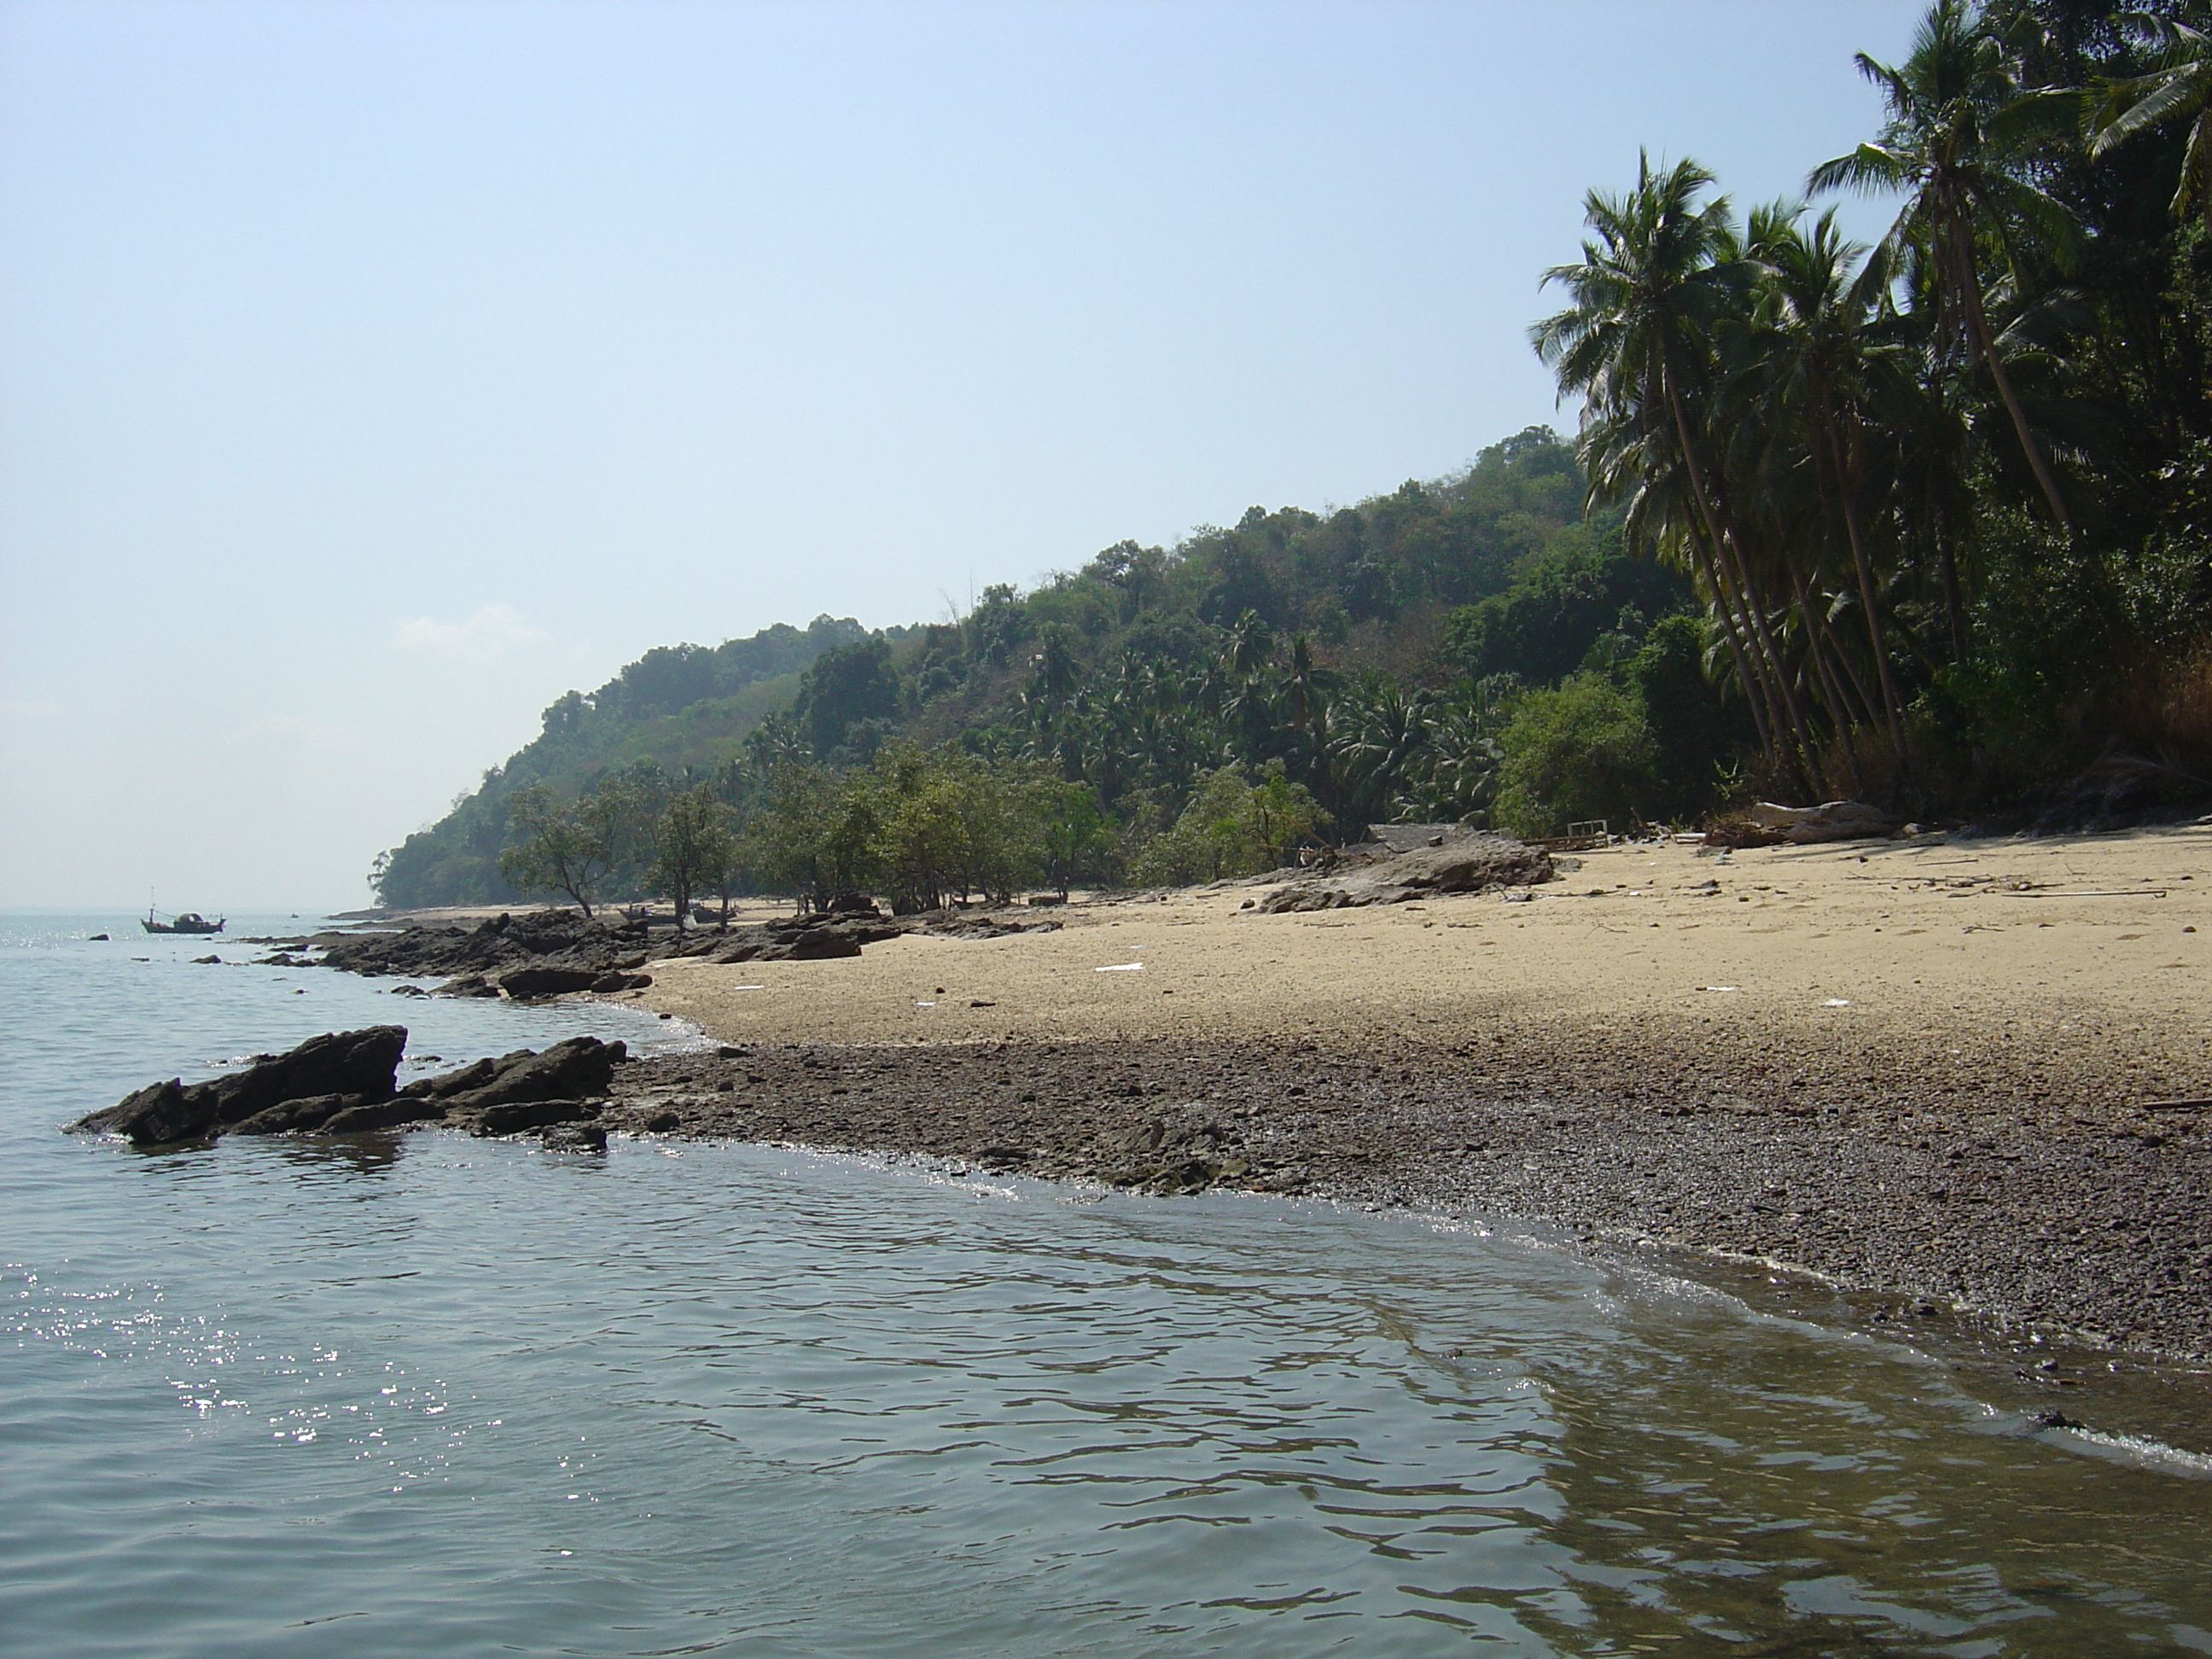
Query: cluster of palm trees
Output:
(1820,433)
(1368,747)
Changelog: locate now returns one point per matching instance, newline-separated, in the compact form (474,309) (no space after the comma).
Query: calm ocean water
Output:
(431,1395)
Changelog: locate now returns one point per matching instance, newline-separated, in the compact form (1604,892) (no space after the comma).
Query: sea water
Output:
(420,1394)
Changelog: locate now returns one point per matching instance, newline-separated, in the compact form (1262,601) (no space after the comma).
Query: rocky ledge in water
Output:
(346,1082)
(544,953)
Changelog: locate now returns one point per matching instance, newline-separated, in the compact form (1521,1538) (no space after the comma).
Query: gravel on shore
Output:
(2010,1185)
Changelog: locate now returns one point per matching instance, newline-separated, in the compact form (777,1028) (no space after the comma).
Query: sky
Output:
(372,373)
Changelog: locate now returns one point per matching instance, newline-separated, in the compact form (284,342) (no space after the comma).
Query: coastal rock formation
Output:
(339,1067)
(341,1083)
(553,980)
(1472,864)
(548,953)
(565,938)
(795,938)
(570,1073)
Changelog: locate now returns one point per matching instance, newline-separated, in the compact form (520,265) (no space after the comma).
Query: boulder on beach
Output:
(1769,824)
(361,1065)
(1471,864)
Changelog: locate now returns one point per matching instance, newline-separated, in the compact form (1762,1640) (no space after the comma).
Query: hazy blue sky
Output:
(371,374)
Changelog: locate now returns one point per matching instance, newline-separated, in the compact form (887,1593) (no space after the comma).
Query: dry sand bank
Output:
(1936,1069)
(1909,940)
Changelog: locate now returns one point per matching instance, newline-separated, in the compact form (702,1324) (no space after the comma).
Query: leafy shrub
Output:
(1583,750)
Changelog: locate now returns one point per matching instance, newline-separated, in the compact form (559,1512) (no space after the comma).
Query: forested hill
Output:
(1926,523)
(1410,617)
(676,710)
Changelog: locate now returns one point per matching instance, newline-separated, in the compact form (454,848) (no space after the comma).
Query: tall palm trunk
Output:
(1966,282)
(1849,469)
(1701,559)
(1819,649)
(1773,682)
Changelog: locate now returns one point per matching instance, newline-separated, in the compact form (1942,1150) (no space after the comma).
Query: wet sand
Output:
(1942,1071)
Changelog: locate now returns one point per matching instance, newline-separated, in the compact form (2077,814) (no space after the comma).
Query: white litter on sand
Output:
(1120,968)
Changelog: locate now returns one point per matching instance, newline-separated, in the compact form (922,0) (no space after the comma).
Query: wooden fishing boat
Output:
(187,921)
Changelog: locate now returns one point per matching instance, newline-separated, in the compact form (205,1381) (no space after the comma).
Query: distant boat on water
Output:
(188,921)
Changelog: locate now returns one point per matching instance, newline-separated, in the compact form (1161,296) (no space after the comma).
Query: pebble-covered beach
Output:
(1955,1072)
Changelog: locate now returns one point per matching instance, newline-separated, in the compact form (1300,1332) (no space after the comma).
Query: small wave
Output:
(2141,1450)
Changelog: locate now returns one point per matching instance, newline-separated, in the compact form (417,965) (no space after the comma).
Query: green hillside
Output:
(1927,523)
(676,710)
(1147,669)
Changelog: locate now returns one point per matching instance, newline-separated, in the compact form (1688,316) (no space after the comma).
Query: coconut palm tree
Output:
(1958,133)
(1823,358)
(1661,271)
(1384,730)
(2177,89)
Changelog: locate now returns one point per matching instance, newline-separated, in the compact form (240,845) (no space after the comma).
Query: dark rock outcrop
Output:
(563,937)
(795,938)
(575,1138)
(308,1112)
(341,1083)
(961,925)
(571,1072)
(529,1114)
(358,1064)
(547,980)
(383,1114)
(151,1116)
(558,952)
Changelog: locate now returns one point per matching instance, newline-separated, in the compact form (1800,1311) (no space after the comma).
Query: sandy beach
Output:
(1949,1071)
(2068,945)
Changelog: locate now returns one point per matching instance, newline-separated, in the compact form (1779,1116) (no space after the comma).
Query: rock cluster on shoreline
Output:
(347,1083)
(543,953)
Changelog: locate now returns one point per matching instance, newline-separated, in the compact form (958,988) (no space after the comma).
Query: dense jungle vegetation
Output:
(1925,523)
